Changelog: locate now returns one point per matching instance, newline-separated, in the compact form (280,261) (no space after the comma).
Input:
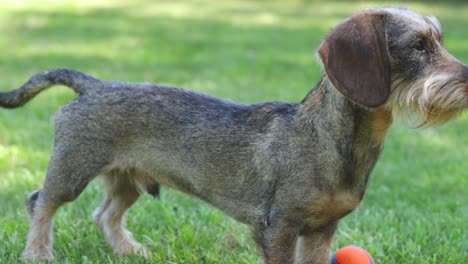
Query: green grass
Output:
(416,207)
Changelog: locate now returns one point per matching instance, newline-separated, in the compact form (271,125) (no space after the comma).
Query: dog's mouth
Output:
(431,101)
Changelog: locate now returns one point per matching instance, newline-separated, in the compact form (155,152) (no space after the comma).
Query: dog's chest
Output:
(327,207)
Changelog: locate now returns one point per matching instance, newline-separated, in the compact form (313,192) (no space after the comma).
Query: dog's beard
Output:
(429,101)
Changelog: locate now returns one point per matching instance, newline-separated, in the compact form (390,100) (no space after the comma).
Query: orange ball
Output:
(352,255)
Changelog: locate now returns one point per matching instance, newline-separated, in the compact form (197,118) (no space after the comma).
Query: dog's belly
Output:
(230,189)
(232,202)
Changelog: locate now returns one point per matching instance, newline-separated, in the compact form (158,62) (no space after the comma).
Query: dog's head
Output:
(394,58)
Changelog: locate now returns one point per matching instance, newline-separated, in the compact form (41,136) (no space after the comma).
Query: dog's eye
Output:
(420,45)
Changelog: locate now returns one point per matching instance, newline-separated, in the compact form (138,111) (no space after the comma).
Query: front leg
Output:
(313,245)
(277,241)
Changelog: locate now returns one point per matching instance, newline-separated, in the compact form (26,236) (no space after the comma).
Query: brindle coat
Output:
(290,171)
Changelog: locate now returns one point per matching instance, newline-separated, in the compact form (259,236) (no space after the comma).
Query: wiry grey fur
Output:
(291,171)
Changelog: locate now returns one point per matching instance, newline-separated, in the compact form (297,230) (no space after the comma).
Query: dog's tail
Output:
(80,82)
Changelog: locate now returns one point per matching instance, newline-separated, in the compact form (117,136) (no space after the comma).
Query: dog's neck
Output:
(357,132)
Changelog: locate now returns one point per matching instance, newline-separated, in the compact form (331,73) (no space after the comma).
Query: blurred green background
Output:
(416,207)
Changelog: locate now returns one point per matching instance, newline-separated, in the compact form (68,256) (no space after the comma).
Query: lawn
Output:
(416,207)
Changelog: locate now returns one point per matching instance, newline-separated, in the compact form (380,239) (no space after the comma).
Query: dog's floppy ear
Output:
(356,59)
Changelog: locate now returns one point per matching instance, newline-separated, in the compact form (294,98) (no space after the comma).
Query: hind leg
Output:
(69,172)
(39,241)
(122,193)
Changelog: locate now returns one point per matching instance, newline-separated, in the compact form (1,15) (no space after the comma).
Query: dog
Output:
(290,171)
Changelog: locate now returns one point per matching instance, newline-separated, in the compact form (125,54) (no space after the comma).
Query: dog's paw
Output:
(37,255)
(132,248)
(142,251)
